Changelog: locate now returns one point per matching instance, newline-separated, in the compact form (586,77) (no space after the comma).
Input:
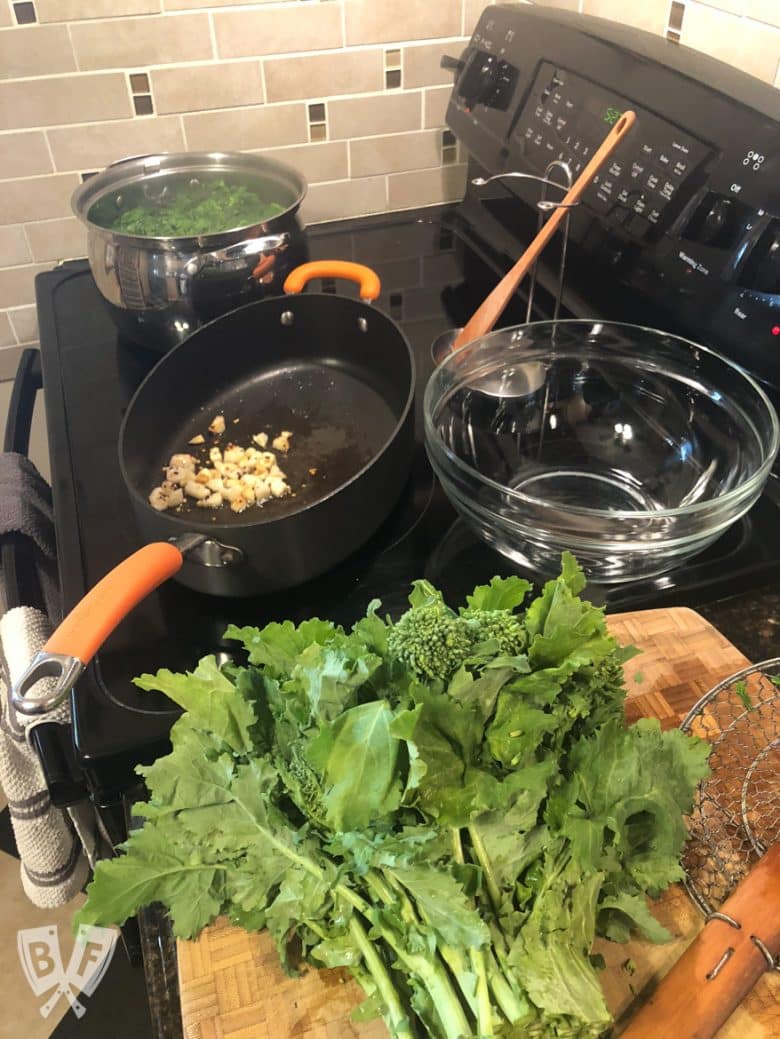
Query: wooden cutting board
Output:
(233,988)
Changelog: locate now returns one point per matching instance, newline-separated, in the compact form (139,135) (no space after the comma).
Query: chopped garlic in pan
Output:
(237,476)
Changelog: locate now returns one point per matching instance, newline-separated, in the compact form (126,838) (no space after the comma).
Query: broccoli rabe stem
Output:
(396,1018)
(454,958)
(430,971)
(484,1006)
(513,1007)
(487,867)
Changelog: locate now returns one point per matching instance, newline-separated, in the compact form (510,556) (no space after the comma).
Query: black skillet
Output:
(336,372)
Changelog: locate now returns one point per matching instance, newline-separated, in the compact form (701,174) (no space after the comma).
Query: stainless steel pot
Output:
(159,289)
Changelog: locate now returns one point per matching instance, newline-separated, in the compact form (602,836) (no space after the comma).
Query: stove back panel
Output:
(683,227)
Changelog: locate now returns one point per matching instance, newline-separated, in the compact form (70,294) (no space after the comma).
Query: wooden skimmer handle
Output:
(722,965)
(485,317)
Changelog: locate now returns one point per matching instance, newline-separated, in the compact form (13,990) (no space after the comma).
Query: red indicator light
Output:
(776,330)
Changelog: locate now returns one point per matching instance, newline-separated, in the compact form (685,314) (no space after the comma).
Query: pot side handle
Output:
(81,634)
(368,280)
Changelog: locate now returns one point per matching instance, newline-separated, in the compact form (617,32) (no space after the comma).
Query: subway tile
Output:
(371,156)
(5,16)
(13,246)
(35,50)
(25,154)
(198,88)
(63,239)
(247,128)
(746,44)
(422,64)
(764,11)
(7,337)
(129,42)
(436,101)
(303,27)
(426,187)
(9,365)
(379,114)
(394,274)
(322,75)
(190,5)
(474,8)
(316,162)
(92,147)
(17,284)
(372,22)
(24,321)
(732,6)
(344,198)
(73,10)
(651,15)
(561,5)
(36,198)
(63,99)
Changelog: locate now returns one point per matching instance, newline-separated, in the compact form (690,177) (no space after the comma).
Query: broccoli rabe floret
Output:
(499,626)
(431,640)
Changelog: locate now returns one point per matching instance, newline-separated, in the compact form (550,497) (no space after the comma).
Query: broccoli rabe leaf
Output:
(357,757)
(502,593)
(211,700)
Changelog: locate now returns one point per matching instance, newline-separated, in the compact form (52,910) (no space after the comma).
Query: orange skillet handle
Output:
(368,280)
(89,624)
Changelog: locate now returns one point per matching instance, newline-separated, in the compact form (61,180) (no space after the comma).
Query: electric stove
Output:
(90,375)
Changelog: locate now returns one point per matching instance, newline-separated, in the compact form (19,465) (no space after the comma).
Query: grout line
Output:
(297,144)
(343,7)
(463,18)
(369,96)
(213,35)
(183,132)
(116,69)
(72,47)
(263,85)
(349,159)
(27,237)
(51,154)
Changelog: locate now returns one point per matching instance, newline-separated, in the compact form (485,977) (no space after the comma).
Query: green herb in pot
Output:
(197,209)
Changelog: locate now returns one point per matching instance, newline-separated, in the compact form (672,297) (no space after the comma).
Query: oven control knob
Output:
(479,79)
(716,220)
(454,64)
(762,269)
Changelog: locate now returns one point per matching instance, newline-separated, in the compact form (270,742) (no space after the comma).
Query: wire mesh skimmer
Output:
(736,815)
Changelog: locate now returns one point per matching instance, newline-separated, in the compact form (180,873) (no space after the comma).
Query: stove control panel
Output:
(682,228)
(565,117)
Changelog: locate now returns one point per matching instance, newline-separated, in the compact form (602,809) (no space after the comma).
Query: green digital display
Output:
(612,115)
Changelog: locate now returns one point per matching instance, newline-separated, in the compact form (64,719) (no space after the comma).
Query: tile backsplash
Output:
(348,91)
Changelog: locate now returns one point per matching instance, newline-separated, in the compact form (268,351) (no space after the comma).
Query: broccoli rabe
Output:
(499,626)
(431,640)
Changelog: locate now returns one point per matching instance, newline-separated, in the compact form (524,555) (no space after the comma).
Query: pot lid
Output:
(189,196)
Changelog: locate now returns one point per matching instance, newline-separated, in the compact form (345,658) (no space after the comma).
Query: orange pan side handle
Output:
(368,280)
(88,625)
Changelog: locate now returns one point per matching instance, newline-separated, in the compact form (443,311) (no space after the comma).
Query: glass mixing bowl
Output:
(630,447)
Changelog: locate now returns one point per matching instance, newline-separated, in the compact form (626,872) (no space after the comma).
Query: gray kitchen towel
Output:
(26,508)
(55,845)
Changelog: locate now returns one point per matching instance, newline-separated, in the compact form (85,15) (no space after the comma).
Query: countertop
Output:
(750,620)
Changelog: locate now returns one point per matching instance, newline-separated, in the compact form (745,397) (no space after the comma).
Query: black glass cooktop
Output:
(431,281)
